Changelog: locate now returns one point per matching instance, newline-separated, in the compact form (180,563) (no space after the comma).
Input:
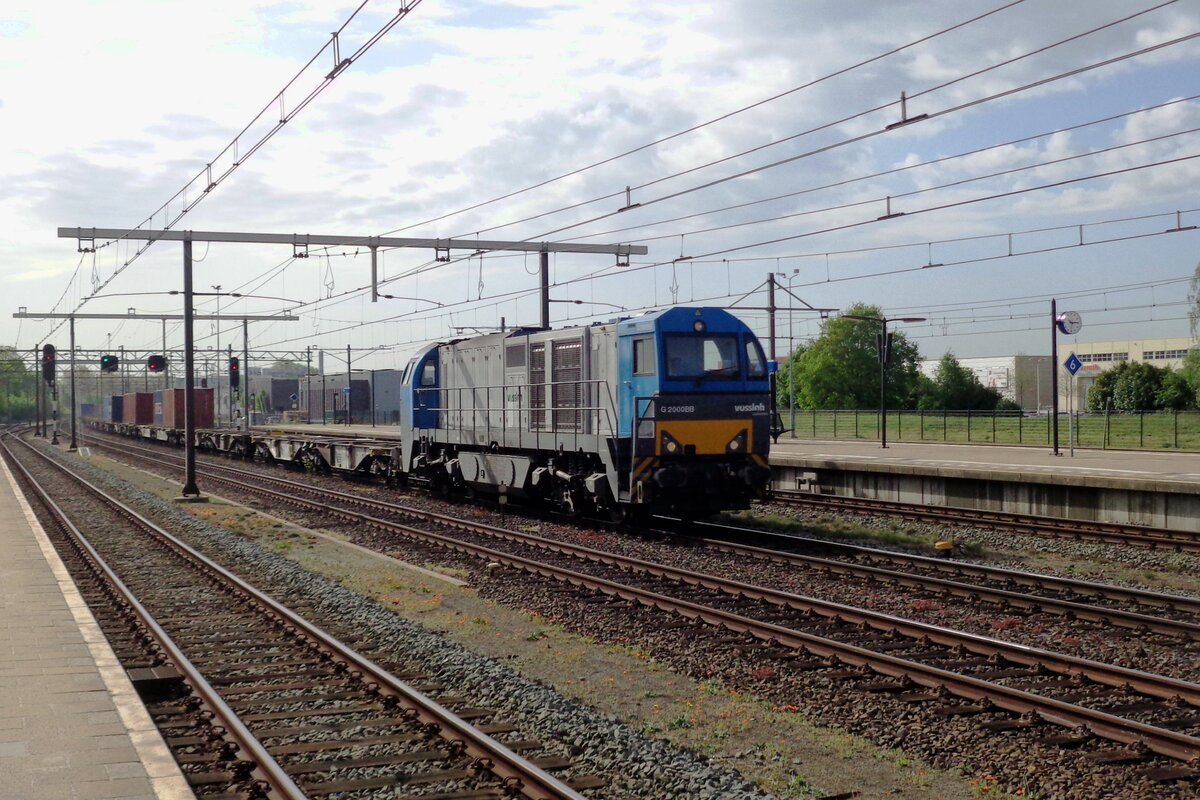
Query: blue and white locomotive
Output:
(666,412)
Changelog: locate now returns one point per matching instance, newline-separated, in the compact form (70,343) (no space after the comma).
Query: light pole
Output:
(791,352)
(884,345)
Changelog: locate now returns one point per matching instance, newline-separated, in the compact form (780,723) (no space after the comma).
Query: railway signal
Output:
(234,372)
(109,363)
(156,363)
(48,355)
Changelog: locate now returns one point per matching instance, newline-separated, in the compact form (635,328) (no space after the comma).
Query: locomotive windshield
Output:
(756,365)
(702,356)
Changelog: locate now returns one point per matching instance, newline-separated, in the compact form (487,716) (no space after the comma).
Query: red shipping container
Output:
(138,408)
(173,410)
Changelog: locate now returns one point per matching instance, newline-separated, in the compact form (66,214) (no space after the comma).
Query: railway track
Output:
(277,707)
(1136,609)
(1146,715)
(1133,609)
(1052,527)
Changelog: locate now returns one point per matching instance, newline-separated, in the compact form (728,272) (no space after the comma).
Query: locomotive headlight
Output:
(738,443)
(699,327)
(670,445)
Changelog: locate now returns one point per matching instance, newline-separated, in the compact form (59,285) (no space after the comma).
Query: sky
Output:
(754,138)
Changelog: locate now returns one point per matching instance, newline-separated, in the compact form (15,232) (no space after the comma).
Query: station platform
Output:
(1153,488)
(1143,469)
(71,723)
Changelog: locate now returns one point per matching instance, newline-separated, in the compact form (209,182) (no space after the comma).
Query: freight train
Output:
(668,412)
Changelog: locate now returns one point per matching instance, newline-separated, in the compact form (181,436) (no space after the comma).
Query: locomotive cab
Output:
(694,400)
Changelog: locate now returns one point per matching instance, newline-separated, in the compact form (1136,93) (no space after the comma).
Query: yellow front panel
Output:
(710,436)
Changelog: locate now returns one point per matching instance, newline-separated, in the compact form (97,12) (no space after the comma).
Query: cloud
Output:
(179,127)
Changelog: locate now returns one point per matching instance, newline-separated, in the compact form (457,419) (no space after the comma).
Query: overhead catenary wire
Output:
(351,293)
(849,118)
(232,149)
(432,265)
(720,118)
(980,260)
(931,115)
(866,136)
(884,173)
(496,300)
(727,115)
(913,193)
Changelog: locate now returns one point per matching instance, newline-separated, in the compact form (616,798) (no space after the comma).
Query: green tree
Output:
(1137,387)
(840,368)
(17,387)
(1100,394)
(1176,392)
(1190,370)
(783,379)
(956,387)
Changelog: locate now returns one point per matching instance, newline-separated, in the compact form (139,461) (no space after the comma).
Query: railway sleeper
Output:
(1068,740)
(1169,774)
(960,710)
(421,779)
(1127,755)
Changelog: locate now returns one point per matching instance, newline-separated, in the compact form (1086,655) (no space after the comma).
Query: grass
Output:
(1162,430)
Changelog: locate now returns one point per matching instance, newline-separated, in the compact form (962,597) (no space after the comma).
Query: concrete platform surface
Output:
(71,724)
(1140,469)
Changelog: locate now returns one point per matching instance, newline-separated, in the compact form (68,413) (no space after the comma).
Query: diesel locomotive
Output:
(669,412)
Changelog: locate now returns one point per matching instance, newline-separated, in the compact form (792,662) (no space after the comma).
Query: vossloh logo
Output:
(751,407)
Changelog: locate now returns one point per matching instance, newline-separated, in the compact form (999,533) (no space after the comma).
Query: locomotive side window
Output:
(429,374)
(756,365)
(643,356)
(702,357)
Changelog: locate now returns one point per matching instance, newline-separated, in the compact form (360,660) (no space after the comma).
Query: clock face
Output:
(1070,322)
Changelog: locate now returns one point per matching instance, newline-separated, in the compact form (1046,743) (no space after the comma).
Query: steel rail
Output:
(1100,614)
(949,566)
(1165,742)
(1133,620)
(266,768)
(1054,527)
(490,755)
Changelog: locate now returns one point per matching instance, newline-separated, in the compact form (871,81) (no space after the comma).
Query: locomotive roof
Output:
(675,317)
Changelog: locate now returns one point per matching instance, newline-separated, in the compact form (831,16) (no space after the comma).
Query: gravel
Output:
(633,765)
(1016,758)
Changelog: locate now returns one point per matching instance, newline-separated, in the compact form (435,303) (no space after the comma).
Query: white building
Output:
(1025,380)
(1098,357)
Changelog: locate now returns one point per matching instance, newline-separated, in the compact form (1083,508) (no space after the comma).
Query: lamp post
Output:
(885,355)
(791,351)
